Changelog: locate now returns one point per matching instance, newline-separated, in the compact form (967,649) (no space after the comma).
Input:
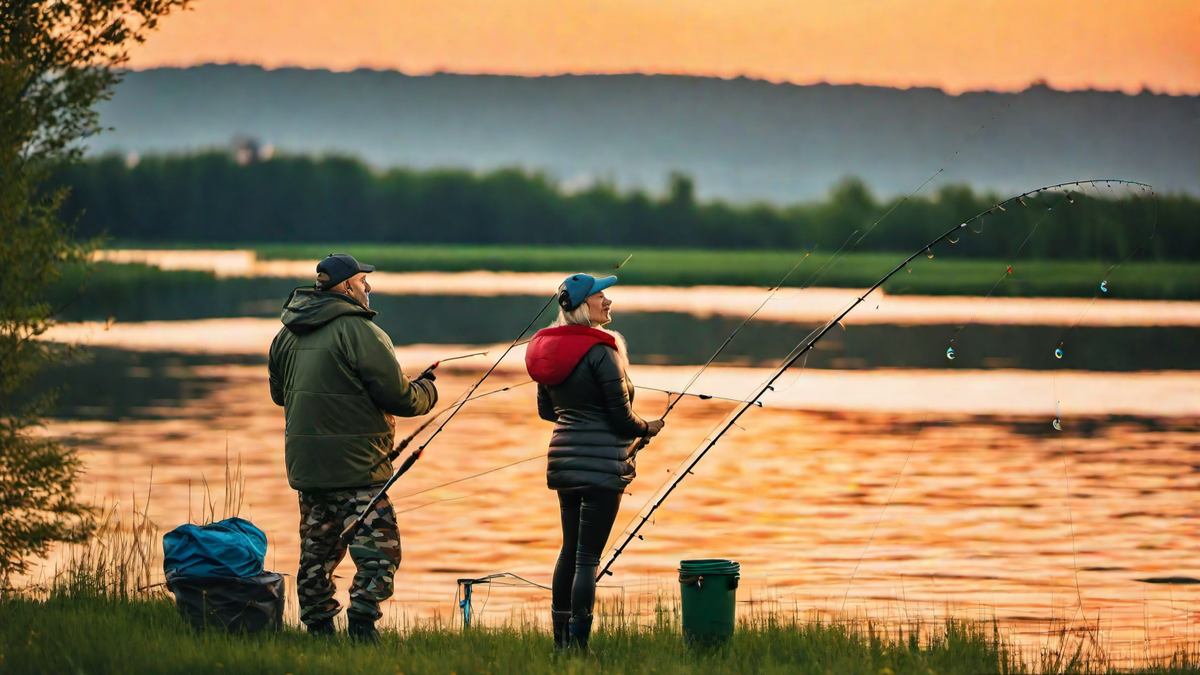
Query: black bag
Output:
(236,604)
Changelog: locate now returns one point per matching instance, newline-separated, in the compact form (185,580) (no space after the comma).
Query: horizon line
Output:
(1033,84)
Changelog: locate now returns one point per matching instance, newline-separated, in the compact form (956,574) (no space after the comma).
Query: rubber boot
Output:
(581,629)
(561,622)
(322,628)
(363,630)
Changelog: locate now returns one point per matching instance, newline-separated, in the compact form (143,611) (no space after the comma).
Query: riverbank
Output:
(110,635)
(945,274)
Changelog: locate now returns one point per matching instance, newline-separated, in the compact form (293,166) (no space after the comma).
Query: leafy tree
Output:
(58,59)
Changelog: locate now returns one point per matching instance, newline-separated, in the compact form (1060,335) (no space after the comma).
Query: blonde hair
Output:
(582,316)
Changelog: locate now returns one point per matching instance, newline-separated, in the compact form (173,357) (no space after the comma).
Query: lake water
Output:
(690,337)
(882,480)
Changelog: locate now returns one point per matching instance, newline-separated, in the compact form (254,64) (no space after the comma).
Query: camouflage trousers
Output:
(375,551)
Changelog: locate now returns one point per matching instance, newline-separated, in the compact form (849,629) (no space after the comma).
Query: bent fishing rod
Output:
(641,442)
(807,344)
(348,533)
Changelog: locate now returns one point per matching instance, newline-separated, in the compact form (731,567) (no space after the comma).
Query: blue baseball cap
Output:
(340,267)
(575,290)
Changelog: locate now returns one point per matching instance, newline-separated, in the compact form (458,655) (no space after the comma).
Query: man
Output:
(335,374)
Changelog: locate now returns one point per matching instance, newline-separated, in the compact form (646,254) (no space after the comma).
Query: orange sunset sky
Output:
(953,44)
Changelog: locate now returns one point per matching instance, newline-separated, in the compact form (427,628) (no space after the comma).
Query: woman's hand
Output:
(653,427)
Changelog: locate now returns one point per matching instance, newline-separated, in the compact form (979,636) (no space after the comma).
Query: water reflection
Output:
(677,338)
(114,384)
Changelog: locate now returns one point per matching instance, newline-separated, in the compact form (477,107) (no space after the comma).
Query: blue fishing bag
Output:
(216,574)
(229,548)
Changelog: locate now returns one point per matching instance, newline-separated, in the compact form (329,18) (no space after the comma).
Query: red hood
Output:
(553,352)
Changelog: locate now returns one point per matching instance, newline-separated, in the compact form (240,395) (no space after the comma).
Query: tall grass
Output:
(103,614)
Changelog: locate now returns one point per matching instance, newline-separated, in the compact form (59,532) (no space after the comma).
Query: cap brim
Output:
(601,284)
(366,268)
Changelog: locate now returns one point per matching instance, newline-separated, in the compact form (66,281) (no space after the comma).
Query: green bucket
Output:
(708,589)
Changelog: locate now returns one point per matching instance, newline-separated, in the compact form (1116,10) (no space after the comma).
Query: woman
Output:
(583,388)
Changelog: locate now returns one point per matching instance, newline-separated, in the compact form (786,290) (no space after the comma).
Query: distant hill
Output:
(741,139)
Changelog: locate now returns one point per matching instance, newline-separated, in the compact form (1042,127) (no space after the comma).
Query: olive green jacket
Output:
(335,374)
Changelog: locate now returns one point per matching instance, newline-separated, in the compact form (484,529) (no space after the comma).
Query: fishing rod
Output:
(348,533)
(807,344)
(642,441)
(403,444)
(455,358)
(702,397)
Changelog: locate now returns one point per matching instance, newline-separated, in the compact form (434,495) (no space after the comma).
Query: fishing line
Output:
(463,593)
(935,173)
(702,397)
(1058,352)
(438,501)
(641,442)
(1067,483)
(919,188)
(820,271)
(472,476)
(391,456)
(800,351)
(348,533)
(883,511)
(1008,271)
(803,364)
(675,471)
(638,444)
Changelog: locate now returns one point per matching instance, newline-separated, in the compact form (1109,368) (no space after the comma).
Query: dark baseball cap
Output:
(340,267)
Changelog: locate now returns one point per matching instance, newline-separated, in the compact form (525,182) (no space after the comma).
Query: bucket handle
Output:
(698,580)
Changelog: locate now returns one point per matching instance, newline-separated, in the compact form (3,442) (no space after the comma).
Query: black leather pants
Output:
(587,520)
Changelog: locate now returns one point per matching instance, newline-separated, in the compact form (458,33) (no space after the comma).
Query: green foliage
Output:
(94,634)
(56,60)
(211,197)
(946,274)
(118,635)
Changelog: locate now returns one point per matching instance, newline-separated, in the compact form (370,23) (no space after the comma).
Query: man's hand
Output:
(428,374)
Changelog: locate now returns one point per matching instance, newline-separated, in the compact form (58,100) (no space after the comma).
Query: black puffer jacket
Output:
(591,408)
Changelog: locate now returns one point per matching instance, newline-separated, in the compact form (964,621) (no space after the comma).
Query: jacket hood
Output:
(554,352)
(308,309)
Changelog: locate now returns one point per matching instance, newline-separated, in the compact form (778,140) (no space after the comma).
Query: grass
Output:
(945,274)
(100,615)
(146,636)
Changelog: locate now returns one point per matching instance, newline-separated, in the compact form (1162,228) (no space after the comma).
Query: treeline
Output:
(212,197)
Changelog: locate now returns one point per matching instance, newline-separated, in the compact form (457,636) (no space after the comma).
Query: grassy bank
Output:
(945,274)
(104,613)
(92,635)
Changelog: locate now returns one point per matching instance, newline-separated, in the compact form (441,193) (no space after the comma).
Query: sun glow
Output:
(997,44)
